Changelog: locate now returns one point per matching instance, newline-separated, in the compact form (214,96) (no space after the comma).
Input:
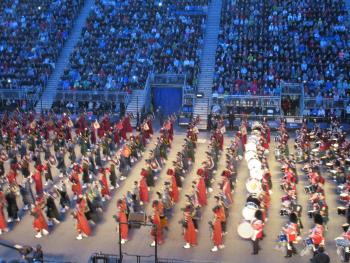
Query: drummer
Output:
(258,226)
(291,230)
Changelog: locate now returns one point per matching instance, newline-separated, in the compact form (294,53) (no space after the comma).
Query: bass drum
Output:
(245,230)
(256,174)
(253,186)
(248,212)
(254,164)
(250,147)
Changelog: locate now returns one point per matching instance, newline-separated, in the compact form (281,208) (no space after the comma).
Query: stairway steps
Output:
(49,94)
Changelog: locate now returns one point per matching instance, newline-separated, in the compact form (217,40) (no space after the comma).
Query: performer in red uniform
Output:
(190,234)
(123,220)
(217,230)
(201,190)
(38,182)
(104,190)
(3,223)
(157,230)
(258,225)
(174,192)
(82,225)
(143,190)
(291,230)
(39,224)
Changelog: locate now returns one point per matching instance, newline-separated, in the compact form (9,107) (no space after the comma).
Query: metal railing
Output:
(89,95)
(173,80)
(326,103)
(248,101)
(291,88)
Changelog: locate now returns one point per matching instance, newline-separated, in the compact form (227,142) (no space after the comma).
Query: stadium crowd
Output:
(32,34)
(123,42)
(262,43)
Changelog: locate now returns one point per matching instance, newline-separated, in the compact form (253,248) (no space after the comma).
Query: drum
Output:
(254,164)
(256,174)
(250,147)
(253,186)
(340,241)
(344,197)
(282,238)
(249,210)
(341,210)
(315,150)
(310,189)
(309,241)
(245,230)
(250,155)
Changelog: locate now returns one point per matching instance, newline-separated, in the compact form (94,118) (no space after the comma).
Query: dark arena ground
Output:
(61,244)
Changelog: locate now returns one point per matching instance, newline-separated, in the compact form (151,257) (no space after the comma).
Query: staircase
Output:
(205,79)
(137,101)
(49,93)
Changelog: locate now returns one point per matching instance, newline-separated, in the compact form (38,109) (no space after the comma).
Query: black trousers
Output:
(291,249)
(256,246)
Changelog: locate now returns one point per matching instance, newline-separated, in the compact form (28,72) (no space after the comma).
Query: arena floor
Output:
(61,244)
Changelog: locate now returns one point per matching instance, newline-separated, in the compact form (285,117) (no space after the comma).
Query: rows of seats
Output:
(262,43)
(122,43)
(32,35)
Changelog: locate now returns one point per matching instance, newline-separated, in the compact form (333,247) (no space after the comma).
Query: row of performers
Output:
(134,201)
(97,190)
(318,208)
(195,200)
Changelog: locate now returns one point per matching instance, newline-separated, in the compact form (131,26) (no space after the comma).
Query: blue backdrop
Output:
(170,99)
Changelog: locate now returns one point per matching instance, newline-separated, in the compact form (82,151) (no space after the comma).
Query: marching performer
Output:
(174,192)
(82,225)
(143,190)
(156,231)
(291,230)
(190,234)
(258,225)
(3,223)
(202,194)
(37,178)
(123,220)
(216,227)
(40,225)
(316,233)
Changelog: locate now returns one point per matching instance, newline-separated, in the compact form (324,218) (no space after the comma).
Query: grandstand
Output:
(240,59)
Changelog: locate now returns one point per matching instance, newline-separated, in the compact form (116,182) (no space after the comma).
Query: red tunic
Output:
(174,190)
(105,189)
(82,223)
(158,231)
(124,230)
(143,190)
(217,233)
(227,190)
(202,194)
(39,221)
(190,233)
(3,223)
(38,183)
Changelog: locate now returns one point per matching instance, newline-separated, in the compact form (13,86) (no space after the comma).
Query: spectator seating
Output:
(32,34)
(123,42)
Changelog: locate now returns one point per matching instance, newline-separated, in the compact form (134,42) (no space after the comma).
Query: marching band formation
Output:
(52,165)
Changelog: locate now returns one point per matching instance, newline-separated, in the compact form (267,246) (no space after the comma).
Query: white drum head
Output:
(248,212)
(245,230)
(254,164)
(253,186)
(256,174)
